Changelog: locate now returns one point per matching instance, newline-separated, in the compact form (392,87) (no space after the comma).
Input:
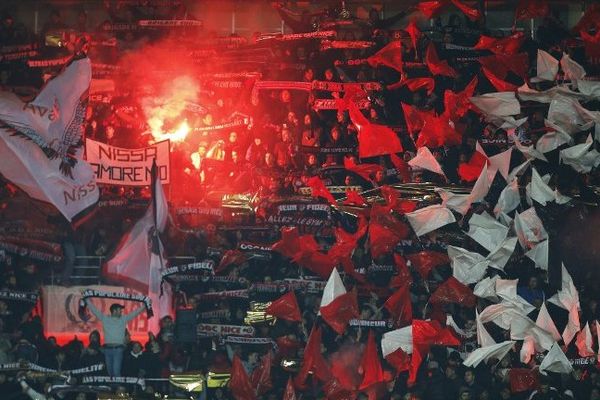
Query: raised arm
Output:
(134,313)
(94,310)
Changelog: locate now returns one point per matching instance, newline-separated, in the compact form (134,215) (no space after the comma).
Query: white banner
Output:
(129,167)
(62,317)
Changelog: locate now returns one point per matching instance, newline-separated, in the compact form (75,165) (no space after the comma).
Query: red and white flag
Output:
(41,142)
(337,306)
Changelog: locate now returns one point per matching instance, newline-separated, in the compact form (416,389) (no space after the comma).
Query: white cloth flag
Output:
(556,361)
(539,255)
(573,71)
(425,160)
(497,104)
(527,349)
(484,338)
(522,326)
(568,295)
(40,142)
(584,342)
(333,289)
(135,264)
(530,152)
(573,325)
(428,219)
(552,140)
(486,288)
(529,228)
(399,339)
(509,198)
(468,267)
(462,202)
(486,231)
(589,88)
(495,351)
(569,115)
(525,93)
(539,190)
(500,163)
(506,289)
(547,67)
(544,321)
(580,157)
(499,257)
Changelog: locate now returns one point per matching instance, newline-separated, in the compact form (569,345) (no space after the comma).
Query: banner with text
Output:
(129,167)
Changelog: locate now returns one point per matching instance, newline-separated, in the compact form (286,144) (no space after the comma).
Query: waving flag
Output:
(373,140)
(390,56)
(437,66)
(41,141)
(527,9)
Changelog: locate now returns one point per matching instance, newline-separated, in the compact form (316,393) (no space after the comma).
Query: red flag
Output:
(289,393)
(414,118)
(400,306)
(351,95)
(494,65)
(404,277)
(527,9)
(453,291)
(292,245)
(287,347)
(414,33)
(586,37)
(364,170)
(523,379)
(437,132)
(425,261)
(390,56)
(456,105)
(431,8)
(317,262)
(261,376)
(589,20)
(394,202)
(385,231)
(373,140)
(472,13)
(399,360)
(341,310)
(318,189)
(437,66)
(415,84)
(239,384)
(469,172)
(313,360)
(499,84)
(286,307)
(354,198)
(334,390)
(402,168)
(231,257)
(371,366)
(507,45)
(425,334)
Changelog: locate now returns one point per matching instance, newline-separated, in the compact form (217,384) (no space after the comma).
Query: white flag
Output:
(425,160)
(527,349)
(544,321)
(552,140)
(333,289)
(41,142)
(495,351)
(584,342)
(538,188)
(556,361)
(428,219)
(497,104)
(547,67)
(529,228)
(486,231)
(568,295)
(468,267)
(589,88)
(580,157)
(399,339)
(499,257)
(539,255)
(573,71)
(573,325)
(509,198)
(569,115)
(484,338)
(486,288)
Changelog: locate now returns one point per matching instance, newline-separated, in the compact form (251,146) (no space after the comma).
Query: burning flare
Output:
(168,106)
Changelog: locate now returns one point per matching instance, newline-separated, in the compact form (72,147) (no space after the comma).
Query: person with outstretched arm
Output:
(114,326)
